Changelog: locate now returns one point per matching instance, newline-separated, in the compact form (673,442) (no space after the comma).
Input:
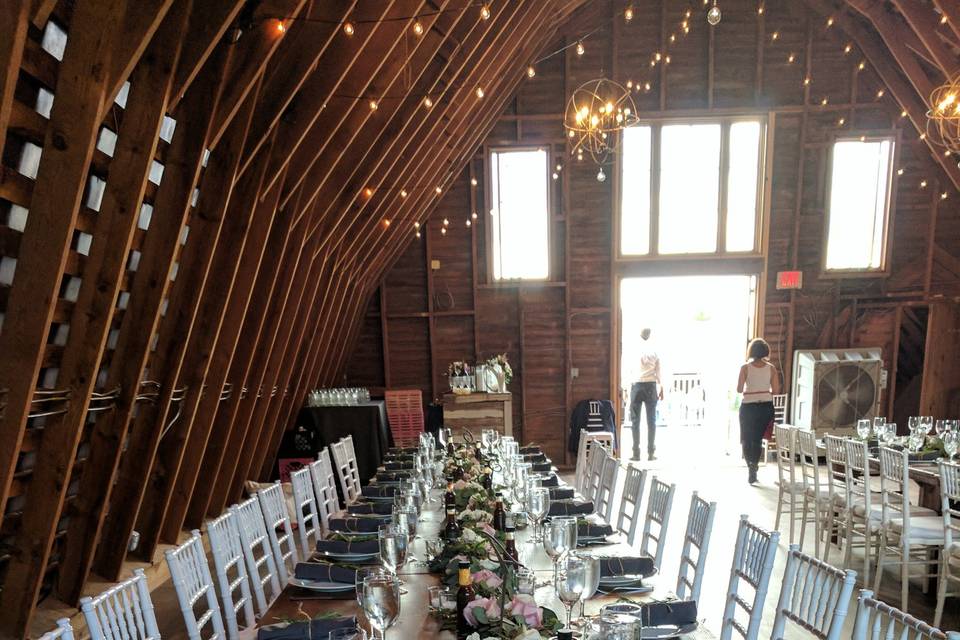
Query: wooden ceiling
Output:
(173,325)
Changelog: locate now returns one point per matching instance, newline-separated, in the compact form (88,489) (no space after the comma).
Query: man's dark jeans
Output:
(644,393)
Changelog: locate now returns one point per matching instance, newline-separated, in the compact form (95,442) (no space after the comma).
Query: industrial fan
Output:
(833,388)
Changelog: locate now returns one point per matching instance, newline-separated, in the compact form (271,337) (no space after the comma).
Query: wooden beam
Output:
(200,39)
(924,24)
(14,18)
(187,311)
(121,487)
(40,11)
(137,139)
(140,23)
(951,10)
(44,246)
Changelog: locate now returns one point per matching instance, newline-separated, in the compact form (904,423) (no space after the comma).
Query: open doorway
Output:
(699,326)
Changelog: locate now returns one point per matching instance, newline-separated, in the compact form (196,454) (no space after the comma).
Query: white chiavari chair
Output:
(257,552)
(877,620)
(590,442)
(309,528)
(659,505)
(346,468)
(950,556)
(226,547)
(909,535)
(608,484)
(779,417)
(122,612)
(752,563)
(813,599)
(836,484)
(192,582)
(629,514)
(64,631)
(324,488)
(351,453)
(790,488)
(597,461)
(696,542)
(863,517)
(277,519)
(816,500)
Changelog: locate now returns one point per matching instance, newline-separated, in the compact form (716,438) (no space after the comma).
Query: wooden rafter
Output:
(924,24)
(14,17)
(951,10)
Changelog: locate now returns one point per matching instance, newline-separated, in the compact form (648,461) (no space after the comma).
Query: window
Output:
(691,188)
(858,204)
(520,214)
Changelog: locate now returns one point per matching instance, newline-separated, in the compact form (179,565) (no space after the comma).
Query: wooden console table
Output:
(478,411)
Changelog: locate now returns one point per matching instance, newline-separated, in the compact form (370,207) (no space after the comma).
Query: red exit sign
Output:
(789,279)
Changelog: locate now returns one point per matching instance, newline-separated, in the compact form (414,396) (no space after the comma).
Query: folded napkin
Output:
(366,508)
(402,450)
(341,546)
(534,457)
(393,476)
(530,449)
(542,466)
(561,493)
(398,466)
(324,572)
(590,529)
(678,612)
(627,566)
(550,481)
(357,525)
(375,491)
(571,508)
(315,629)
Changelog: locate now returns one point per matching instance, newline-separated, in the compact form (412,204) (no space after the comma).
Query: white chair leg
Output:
(905,578)
(941,589)
(881,554)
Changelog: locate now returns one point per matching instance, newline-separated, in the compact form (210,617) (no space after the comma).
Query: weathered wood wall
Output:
(420,319)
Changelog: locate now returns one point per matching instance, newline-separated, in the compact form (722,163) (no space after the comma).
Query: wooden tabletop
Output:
(415,619)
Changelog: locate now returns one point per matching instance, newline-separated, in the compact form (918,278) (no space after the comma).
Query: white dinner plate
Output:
(621,581)
(325,587)
(668,631)
(347,557)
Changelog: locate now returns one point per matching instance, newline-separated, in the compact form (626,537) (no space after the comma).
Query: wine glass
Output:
(889,433)
(913,423)
(560,537)
(951,442)
(381,603)
(570,581)
(361,575)
(592,579)
(863,428)
(941,427)
(926,423)
(538,505)
(393,547)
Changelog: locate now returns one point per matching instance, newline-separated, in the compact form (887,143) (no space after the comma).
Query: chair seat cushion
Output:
(923,530)
(876,511)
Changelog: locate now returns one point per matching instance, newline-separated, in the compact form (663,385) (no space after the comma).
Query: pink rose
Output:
(488,578)
(526,607)
(489,606)
(459,484)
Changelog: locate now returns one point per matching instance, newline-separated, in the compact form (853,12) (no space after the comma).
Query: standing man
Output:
(646,391)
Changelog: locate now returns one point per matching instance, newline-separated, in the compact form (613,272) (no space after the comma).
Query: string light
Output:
(469,224)
(446,222)
(386,222)
(880,93)
(847,49)
(416,225)
(628,13)
(943,19)
(923,184)
(348,28)
(791,58)
(473,182)
(403,194)
(373,105)
(485,11)
(943,196)
(480,93)
(281,26)
(806,81)
(900,172)
(427,102)
(775,35)
(829,22)
(418,28)
(443,231)
(824,102)
(841,122)
(760,10)
(580,49)
(903,114)
(473,215)
(368,192)
(861,66)
(417,234)
(556,176)
(531,72)
(438,190)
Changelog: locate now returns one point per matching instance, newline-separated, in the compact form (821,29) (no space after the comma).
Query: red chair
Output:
(405,415)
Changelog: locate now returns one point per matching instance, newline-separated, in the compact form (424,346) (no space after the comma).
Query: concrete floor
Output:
(696,458)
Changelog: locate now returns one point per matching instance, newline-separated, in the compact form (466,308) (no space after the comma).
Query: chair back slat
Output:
(836,465)
(806,444)
(858,474)
(608,484)
(226,547)
(122,612)
(257,552)
(877,620)
(696,542)
(786,454)
(309,528)
(194,585)
(814,598)
(629,514)
(324,488)
(895,487)
(655,525)
(590,444)
(950,501)
(752,564)
(277,520)
(345,464)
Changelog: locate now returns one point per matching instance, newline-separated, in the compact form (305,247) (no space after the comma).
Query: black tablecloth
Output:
(367,423)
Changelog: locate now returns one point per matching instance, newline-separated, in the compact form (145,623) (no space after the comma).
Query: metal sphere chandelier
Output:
(596,113)
(943,115)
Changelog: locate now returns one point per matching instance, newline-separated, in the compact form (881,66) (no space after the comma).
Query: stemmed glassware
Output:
(538,505)
(560,537)
(889,433)
(381,603)
(926,423)
(863,428)
(592,580)
(951,442)
(393,548)
(570,581)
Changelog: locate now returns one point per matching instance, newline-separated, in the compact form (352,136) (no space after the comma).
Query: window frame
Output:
(491,228)
(883,271)
(763,179)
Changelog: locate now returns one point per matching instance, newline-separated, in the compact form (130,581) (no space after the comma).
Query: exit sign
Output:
(789,279)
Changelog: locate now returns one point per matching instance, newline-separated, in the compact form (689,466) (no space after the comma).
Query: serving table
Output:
(366,422)
(415,619)
(476,411)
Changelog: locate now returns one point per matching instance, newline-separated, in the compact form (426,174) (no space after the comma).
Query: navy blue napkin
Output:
(368,508)
(357,525)
(324,572)
(315,630)
(627,566)
(342,546)
(374,491)
(561,493)
(571,508)
(678,612)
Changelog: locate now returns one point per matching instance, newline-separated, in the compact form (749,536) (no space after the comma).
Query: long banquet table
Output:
(415,619)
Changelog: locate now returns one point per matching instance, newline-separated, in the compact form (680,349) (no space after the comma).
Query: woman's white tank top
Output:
(757,385)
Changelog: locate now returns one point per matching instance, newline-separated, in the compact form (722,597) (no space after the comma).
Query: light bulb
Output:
(281,26)
(791,58)
(418,28)
(485,12)
(899,172)
(417,234)
(443,231)
(601,176)
(841,122)
(473,215)
(556,176)
(531,71)
(386,222)
(847,49)
(368,192)
(416,225)
(829,22)
(775,35)
(943,196)
(403,193)
(628,14)
(469,224)
(348,28)
(880,93)
(427,102)
(373,105)
(473,182)
(714,15)
(580,49)
(439,190)
(446,222)
(480,93)
(923,184)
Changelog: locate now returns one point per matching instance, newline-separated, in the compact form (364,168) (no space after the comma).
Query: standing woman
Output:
(759,382)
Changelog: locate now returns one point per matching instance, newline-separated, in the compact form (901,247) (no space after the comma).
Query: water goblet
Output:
(863,429)
(570,581)
(889,433)
(538,505)
(592,580)
(361,575)
(951,442)
(926,423)
(913,423)
(381,603)
(393,547)
(560,537)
